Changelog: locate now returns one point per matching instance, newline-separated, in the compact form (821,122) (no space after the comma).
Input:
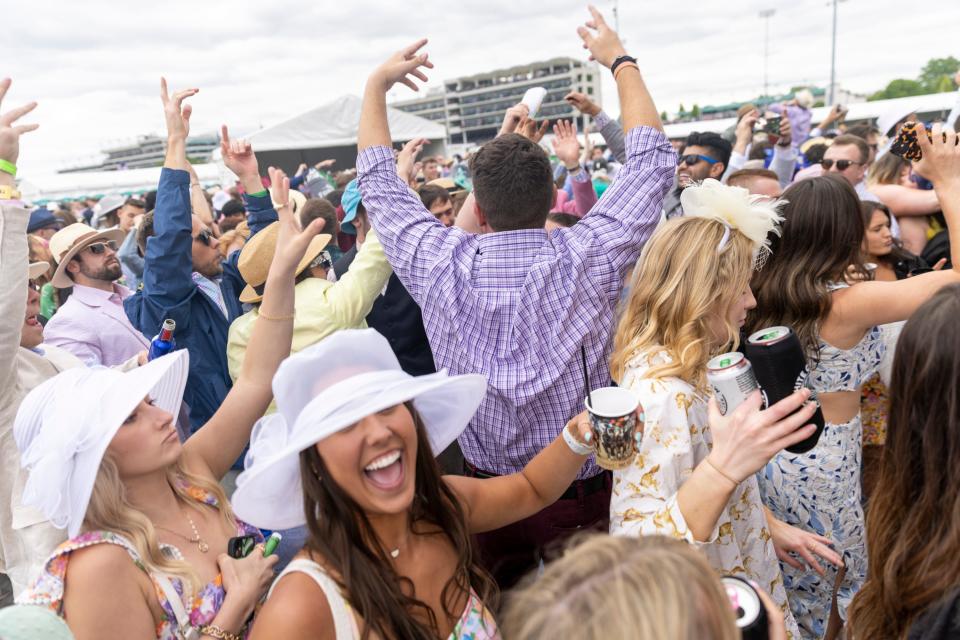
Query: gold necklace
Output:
(196,539)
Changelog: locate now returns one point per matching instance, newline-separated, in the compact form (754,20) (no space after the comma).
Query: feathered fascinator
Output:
(754,216)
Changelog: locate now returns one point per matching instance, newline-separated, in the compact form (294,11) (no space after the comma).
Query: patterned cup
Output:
(613,420)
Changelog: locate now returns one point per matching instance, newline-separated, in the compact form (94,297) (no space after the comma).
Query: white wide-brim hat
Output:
(325,389)
(64,426)
(71,240)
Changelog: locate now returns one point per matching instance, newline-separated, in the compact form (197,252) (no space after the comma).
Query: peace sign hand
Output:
(10,134)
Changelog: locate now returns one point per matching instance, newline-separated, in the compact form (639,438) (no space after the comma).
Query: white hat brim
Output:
(60,278)
(269,492)
(164,379)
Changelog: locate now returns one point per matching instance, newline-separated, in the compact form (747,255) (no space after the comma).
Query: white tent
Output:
(330,131)
(61,186)
(931,105)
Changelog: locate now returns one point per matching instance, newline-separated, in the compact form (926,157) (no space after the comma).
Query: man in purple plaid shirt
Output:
(512,302)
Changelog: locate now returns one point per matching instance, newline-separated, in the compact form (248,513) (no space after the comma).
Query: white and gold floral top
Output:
(676,439)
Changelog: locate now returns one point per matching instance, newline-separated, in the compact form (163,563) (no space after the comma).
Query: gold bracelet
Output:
(625,65)
(276,318)
(717,469)
(214,631)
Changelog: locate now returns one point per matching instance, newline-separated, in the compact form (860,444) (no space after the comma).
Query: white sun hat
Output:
(325,389)
(63,428)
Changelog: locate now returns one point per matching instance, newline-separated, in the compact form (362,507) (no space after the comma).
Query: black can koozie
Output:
(781,369)
(748,609)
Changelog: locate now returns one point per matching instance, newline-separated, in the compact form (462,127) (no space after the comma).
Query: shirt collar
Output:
(511,241)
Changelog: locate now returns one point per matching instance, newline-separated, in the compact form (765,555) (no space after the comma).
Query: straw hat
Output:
(64,425)
(257,254)
(297,200)
(72,239)
(326,388)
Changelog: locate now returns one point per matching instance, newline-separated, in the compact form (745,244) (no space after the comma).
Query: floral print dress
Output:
(820,490)
(676,439)
(48,590)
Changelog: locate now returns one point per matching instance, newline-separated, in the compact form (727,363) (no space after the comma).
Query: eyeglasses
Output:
(323,259)
(204,237)
(99,248)
(693,158)
(842,165)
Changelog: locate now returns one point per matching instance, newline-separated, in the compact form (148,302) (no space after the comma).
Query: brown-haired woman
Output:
(805,286)
(890,180)
(913,531)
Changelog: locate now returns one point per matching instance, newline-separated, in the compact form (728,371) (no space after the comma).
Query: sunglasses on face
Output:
(204,237)
(324,259)
(99,248)
(842,165)
(693,158)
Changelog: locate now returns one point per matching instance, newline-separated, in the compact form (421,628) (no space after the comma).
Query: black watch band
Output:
(617,62)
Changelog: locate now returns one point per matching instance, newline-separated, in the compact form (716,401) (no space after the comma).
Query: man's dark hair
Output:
(145,231)
(431,193)
(814,153)
(720,148)
(563,219)
(150,200)
(758,151)
(233,208)
(430,160)
(135,202)
(863,130)
(334,197)
(513,183)
(320,208)
(861,144)
(743,177)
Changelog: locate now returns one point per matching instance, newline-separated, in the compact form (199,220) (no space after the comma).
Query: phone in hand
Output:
(533,98)
(772,126)
(241,546)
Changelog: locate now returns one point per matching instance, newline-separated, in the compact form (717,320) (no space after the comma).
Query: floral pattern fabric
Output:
(873,411)
(48,590)
(820,490)
(676,439)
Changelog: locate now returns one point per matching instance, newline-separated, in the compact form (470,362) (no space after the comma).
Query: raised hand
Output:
(324,164)
(238,156)
(786,131)
(512,118)
(401,65)
(407,165)
(528,129)
(291,241)
(940,163)
(10,133)
(565,144)
(175,112)
(582,103)
(602,41)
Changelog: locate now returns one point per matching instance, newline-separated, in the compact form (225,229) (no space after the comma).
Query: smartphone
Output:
(241,546)
(533,98)
(772,125)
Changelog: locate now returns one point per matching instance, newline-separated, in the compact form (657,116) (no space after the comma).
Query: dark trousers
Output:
(514,551)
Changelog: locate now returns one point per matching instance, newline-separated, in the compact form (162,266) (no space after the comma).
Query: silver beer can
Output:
(732,379)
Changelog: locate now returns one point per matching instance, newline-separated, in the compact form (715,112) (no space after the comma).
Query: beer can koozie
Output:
(731,377)
(781,369)
(747,608)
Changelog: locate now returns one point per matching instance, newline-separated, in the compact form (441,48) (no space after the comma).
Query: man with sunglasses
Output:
(706,155)
(92,323)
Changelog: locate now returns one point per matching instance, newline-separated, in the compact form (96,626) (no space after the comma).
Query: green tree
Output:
(934,71)
(663,116)
(695,111)
(899,88)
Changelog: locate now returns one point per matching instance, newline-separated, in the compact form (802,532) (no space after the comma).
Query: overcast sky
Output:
(94,65)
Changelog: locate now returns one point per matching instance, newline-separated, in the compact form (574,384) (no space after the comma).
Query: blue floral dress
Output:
(820,490)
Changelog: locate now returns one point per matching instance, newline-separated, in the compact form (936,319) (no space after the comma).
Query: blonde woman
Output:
(617,588)
(693,478)
(147,521)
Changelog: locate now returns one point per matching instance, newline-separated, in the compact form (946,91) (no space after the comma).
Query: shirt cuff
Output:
(581,175)
(257,202)
(176,176)
(377,158)
(649,147)
(601,119)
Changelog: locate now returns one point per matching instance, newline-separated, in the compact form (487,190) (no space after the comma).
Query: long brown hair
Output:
(341,534)
(913,524)
(822,238)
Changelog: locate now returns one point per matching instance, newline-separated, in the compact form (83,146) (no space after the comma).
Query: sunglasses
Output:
(99,248)
(842,165)
(693,158)
(204,237)
(323,259)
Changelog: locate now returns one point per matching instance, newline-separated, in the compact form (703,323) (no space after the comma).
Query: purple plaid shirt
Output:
(517,305)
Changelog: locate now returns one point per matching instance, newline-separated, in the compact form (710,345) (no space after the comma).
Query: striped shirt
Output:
(516,306)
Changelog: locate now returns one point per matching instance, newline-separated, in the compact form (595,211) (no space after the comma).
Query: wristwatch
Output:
(8,193)
(620,60)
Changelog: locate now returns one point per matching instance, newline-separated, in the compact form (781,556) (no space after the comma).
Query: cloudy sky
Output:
(94,65)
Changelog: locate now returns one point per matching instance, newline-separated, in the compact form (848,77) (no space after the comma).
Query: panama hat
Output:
(325,389)
(64,425)
(37,269)
(72,239)
(257,254)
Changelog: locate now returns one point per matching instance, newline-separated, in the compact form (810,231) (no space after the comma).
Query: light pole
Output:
(765,15)
(833,56)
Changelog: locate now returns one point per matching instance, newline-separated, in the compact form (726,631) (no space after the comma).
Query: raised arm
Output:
(198,201)
(374,129)
(217,445)
(351,297)
(904,201)
(239,157)
(567,148)
(13,247)
(609,128)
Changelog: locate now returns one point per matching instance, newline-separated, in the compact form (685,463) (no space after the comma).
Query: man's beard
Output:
(212,270)
(108,272)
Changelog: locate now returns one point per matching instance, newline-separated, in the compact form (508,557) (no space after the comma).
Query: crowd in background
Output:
(387,365)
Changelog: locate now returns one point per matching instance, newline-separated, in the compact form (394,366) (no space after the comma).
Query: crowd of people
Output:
(387,366)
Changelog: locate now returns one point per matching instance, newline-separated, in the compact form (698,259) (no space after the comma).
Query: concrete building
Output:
(146,151)
(472,107)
